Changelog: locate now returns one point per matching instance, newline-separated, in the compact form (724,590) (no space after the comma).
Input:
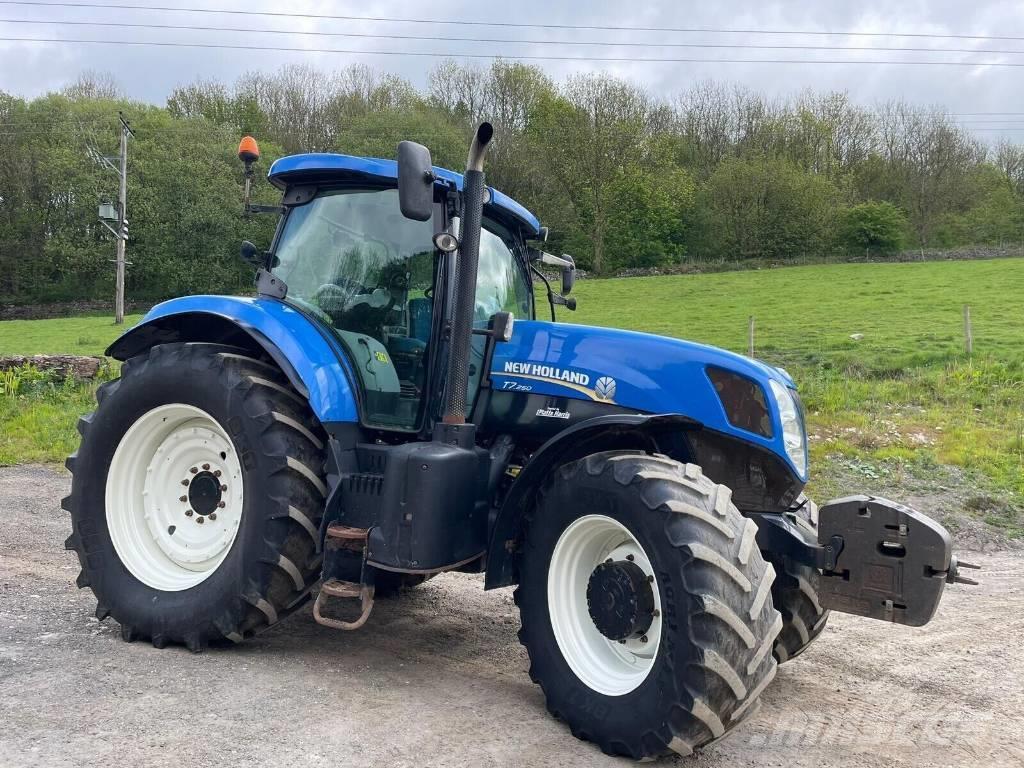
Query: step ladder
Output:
(344,537)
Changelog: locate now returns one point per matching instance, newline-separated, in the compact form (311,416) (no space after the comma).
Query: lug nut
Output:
(223,488)
(630,558)
(185,481)
(213,515)
(656,613)
(222,504)
(183,498)
(216,473)
(650,579)
(206,466)
(199,520)
(194,470)
(643,638)
(188,513)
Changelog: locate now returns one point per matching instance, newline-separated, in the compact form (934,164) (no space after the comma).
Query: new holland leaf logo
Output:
(605,388)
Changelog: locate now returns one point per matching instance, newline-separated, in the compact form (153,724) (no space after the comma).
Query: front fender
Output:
(315,365)
(660,433)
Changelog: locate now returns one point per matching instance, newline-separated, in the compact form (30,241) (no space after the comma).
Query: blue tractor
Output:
(389,407)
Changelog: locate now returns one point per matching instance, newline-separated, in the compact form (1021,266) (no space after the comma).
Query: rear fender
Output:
(315,365)
(655,433)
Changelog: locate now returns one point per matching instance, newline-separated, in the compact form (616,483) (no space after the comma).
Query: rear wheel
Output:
(645,603)
(196,498)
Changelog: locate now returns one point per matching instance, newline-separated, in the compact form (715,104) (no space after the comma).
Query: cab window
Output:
(350,258)
(501,286)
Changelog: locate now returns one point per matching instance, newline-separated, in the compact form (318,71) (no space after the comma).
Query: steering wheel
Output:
(333,298)
(353,307)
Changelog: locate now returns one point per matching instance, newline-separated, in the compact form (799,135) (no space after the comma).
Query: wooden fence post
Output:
(750,337)
(968,332)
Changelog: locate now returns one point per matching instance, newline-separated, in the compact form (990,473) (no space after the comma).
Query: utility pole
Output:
(108,215)
(122,229)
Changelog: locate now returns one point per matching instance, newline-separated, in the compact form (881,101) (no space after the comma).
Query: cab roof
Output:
(315,166)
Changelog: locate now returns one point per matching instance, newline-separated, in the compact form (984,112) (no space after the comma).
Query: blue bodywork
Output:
(652,374)
(633,371)
(318,361)
(335,167)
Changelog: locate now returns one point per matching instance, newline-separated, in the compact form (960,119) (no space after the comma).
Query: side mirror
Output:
(499,327)
(568,275)
(563,262)
(502,324)
(251,254)
(415,181)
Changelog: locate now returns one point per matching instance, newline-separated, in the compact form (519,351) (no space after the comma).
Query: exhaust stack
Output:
(473,190)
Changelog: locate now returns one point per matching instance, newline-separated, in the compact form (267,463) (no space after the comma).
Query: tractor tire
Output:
(206,442)
(645,605)
(795,594)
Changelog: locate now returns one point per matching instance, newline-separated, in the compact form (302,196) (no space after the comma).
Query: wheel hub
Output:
(620,599)
(174,497)
(600,576)
(204,493)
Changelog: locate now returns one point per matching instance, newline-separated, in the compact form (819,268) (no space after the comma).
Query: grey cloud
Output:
(150,73)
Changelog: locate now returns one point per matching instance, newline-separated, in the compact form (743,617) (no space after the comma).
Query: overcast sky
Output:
(149,73)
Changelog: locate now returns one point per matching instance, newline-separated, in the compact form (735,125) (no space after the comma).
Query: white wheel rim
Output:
(607,666)
(173,452)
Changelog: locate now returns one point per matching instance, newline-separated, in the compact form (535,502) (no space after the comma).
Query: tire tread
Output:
(292,439)
(737,622)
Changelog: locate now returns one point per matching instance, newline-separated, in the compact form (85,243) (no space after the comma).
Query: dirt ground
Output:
(437,678)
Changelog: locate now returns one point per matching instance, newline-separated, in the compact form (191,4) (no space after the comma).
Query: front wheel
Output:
(646,606)
(197,495)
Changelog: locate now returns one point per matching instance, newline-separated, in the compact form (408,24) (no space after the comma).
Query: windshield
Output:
(501,284)
(350,258)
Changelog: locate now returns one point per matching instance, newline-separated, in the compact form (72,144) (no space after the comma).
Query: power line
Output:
(511,56)
(453,39)
(508,24)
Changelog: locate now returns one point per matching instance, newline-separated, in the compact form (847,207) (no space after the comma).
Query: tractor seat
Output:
(407,355)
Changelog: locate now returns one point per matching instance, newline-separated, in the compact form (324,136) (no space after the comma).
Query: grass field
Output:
(903,394)
(66,335)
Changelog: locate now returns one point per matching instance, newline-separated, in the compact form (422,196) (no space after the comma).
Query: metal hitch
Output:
(892,561)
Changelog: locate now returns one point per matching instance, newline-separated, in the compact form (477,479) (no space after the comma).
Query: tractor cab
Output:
(380,282)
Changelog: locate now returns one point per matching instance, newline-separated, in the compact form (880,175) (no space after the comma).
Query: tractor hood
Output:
(729,393)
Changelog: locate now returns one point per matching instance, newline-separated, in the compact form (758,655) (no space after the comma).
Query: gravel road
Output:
(437,678)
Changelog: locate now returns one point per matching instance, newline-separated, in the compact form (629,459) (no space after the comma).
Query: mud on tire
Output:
(719,624)
(273,561)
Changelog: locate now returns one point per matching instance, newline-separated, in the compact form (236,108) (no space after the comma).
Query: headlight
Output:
(792,426)
(744,401)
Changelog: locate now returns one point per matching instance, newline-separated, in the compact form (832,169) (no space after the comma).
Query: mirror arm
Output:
(555,261)
(256,208)
(547,285)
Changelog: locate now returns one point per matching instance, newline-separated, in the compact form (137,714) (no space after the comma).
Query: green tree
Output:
(648,217)
(876,225)
(764,208)
(991,210)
